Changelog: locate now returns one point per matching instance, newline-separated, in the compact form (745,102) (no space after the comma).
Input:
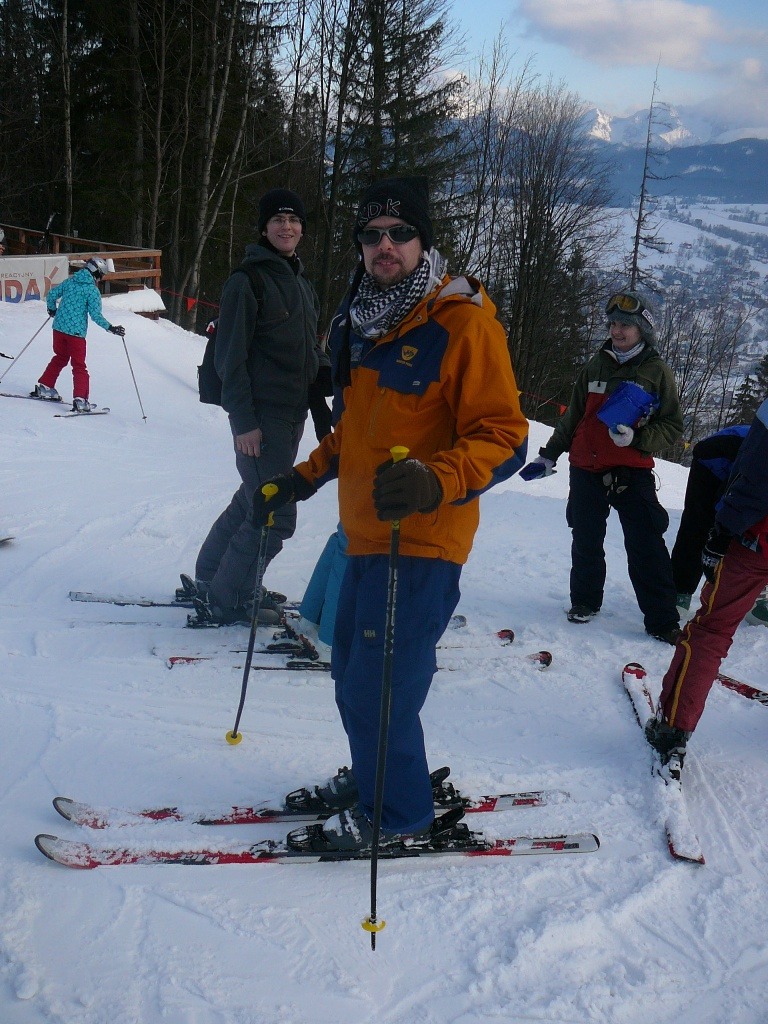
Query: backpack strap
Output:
(257,284)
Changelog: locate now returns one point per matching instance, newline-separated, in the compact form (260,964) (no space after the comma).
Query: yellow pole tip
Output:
(372,926)
(234,737)
(269,490)
(399,452)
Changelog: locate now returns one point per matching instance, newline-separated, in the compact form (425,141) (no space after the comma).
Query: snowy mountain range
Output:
(693,156)
(673,127)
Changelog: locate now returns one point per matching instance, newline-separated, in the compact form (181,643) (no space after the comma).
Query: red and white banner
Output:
(30,278)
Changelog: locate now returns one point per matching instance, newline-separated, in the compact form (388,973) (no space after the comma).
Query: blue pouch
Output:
(628,404)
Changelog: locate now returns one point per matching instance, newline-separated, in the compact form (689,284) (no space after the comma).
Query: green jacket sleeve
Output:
(666,424)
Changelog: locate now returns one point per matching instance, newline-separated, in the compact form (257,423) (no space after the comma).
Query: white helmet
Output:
(2,236)
(97,266)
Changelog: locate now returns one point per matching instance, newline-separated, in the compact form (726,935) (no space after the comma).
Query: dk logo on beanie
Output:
(406,198)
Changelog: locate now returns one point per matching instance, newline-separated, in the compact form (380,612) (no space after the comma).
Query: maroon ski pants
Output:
(706,639)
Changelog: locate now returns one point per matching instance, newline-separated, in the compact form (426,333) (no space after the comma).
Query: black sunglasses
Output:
(398,233)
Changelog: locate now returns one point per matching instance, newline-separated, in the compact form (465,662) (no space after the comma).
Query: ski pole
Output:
(42,325)
(269,491)
(143,414)
(371,924)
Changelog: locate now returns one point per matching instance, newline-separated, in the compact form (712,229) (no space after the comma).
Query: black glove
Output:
(714,550)
(117,329)
(323,382)
(402,488)
(290,487)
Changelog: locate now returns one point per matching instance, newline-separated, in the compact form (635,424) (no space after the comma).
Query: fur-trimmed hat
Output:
(406,198)
(280,200)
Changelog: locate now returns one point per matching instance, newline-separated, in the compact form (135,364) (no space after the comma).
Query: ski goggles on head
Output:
(625,303)
(398,233)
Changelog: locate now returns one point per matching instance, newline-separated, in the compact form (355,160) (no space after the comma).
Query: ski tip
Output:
(541,659)
(634,669)
(692,856)
(46,844)
(64,806)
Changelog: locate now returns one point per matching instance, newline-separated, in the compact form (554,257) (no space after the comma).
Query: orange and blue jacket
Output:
(441,384)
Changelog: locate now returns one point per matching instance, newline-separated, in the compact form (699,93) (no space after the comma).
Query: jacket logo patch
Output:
(407,354)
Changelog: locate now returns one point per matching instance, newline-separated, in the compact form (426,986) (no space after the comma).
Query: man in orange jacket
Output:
(424,364)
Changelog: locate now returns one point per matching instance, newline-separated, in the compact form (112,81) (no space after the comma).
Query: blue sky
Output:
(712,55)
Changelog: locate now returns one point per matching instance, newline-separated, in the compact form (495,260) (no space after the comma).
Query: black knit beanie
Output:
(280,200)
(404,198)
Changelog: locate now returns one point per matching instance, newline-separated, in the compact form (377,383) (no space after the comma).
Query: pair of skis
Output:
(448,837)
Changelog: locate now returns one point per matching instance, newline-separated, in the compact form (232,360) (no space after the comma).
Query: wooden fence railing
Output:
(134,267)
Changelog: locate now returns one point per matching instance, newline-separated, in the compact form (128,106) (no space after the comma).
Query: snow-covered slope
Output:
(622,936)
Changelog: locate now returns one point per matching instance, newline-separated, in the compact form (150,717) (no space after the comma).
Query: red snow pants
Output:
(68,347)
(706,639)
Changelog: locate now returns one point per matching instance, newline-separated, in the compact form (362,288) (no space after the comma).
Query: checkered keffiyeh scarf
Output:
(375,313)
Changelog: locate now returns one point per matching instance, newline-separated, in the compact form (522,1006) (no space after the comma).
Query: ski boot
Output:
(669,743)
(581,613)
(350,831)
(336,794)
(48,394)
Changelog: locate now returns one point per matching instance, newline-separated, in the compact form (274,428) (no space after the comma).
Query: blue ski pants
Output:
(427,594)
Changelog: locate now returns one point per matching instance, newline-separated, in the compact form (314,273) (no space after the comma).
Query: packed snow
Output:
(89,710)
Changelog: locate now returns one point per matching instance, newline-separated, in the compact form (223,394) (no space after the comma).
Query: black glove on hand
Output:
(290,487)
(714,550)
(323,382)
(117,329)
(402,488)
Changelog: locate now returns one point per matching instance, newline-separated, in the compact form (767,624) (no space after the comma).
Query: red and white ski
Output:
(76,854)
(681,838)
(446,797)
(745,689)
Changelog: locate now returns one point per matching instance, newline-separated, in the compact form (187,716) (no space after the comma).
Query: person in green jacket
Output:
(611,466)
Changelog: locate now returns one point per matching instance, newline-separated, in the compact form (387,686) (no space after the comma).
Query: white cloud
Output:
(630,32)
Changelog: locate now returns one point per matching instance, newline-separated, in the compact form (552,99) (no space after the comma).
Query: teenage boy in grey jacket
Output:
(267,359)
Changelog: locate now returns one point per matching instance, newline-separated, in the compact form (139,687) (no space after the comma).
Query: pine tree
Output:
(750,395)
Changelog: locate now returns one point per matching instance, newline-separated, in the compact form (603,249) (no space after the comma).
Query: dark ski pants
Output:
(427,593)
(68,347)
(632,493)
(228,559)
(702,493)
(707,638)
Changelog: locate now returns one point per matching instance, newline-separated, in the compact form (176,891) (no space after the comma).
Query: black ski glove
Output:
(714,550)
(402,488)
(117,329)
(290,487)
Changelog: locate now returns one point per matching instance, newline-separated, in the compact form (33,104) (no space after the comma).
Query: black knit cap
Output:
(404,198)
(280,200)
